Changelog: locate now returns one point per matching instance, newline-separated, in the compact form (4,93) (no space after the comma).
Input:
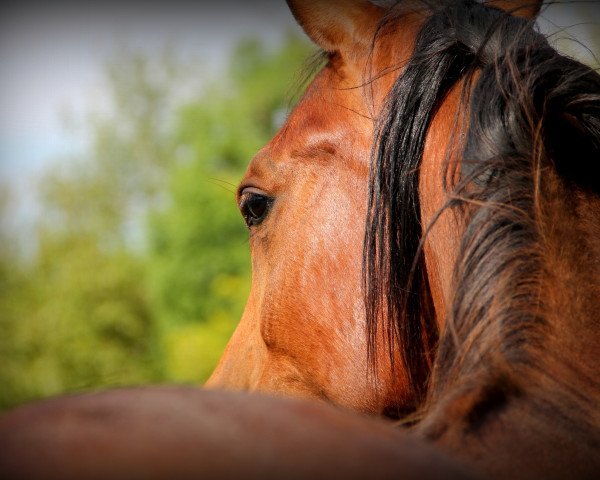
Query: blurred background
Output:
(124,130)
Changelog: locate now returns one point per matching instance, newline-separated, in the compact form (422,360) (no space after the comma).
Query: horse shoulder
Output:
(174,432)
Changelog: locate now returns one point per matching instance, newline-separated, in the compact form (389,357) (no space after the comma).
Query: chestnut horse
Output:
(513,389)
(303,331)
(304,198)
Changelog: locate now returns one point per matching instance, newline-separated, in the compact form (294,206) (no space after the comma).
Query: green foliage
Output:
(200,260)
(142,267)
(78,315)
(82,322)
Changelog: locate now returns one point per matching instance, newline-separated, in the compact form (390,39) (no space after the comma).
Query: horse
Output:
(463,239)
(503,394)
(303,331)
(514,387)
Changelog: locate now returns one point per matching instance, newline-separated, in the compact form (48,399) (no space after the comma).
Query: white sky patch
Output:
(573,27)
(53,57)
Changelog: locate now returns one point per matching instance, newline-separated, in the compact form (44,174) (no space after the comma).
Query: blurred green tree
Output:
(200,261)
(142,268)
(77,316)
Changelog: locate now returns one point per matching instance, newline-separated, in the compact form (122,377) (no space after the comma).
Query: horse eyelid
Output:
(254,205)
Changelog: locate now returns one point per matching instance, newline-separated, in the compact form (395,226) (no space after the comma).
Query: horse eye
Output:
(254,207)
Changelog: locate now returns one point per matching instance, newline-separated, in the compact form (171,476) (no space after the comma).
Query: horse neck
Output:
(570,243)
(518,361)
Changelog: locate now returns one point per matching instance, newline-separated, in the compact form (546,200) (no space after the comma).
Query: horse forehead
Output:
(339,108)
(330,122)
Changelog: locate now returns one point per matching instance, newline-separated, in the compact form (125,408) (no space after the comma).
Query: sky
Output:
(52,56)
(52,59)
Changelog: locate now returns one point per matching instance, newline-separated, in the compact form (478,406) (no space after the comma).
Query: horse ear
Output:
(518,8)
(336,25)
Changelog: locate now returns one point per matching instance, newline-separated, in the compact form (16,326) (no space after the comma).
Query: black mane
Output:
(529,107)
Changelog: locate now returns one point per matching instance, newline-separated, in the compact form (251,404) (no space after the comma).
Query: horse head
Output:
(304,199)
